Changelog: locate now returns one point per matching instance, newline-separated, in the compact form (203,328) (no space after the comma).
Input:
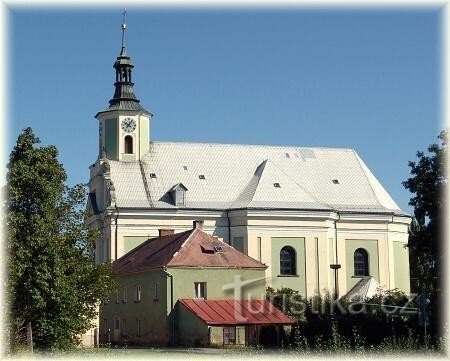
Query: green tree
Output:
(427,183)
(53,282)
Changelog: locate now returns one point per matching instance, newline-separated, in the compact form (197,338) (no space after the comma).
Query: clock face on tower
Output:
(128,125)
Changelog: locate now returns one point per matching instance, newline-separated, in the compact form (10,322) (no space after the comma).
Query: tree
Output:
(428,184)
(53,282)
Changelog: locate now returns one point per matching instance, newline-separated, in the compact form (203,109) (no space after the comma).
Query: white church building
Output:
(298,210)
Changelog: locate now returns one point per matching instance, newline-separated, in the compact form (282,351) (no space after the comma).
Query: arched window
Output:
(287,261)
(361,262)
(129,144)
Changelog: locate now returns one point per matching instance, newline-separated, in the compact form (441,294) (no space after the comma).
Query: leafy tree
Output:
(428,182)
(53,282)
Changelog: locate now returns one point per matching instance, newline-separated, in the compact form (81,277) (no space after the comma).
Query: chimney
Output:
(165,232)
(198,224)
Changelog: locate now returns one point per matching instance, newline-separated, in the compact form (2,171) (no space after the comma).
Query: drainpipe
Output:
(336,251)
(172,331)
(229,228)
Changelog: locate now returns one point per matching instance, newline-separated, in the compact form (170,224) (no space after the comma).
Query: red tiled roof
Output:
(193,248)
(155,252)
(199,251)
(233,312)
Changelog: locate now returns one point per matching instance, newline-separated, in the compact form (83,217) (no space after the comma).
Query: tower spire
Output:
(124,97)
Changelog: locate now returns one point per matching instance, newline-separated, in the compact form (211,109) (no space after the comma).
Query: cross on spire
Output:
(123,26)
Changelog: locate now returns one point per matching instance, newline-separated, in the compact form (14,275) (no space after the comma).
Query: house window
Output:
(125,294)
(287,261)
(124,327)
(361,262)
(156,291)
(117,296)
(259,249)
(128,144)
(138,293)
(105,326)
(200,290)
(229,335)
(138,327)
(117,323)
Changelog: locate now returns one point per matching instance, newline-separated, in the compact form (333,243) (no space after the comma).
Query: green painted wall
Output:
(130,242)
(371,246)
(297,282)
(238,243)
(191,330)
(184,279)
(401,266)
(152,312)
(111,136)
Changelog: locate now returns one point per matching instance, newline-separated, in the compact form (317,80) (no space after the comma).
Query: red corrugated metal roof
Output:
(233,312)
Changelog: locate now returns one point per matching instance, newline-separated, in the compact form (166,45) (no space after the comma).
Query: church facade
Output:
(316,217)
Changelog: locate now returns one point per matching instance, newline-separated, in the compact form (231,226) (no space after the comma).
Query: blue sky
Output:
(363,79)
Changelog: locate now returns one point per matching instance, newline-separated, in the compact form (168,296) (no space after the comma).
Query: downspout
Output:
(336,252)
(172,331)
(229,228)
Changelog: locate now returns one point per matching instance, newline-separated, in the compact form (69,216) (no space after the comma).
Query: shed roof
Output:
(234,312)
(193,248)
(364,289)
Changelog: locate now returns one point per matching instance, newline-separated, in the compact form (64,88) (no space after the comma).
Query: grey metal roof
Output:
(244,176)
(364,289)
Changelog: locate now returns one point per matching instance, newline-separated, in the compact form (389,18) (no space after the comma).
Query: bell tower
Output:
(124,126)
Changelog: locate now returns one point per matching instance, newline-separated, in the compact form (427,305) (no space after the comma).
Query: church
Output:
(316,217)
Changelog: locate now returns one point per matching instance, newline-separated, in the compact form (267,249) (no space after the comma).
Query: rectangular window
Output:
(125,295)
(138,327)
(200,290)
(105,326)
(155,291)
(138,293)
(117,323)
(124,327)
(117,296)
(259,249)
(229,335)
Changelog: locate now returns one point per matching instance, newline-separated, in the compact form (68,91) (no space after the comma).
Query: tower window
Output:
(128,144)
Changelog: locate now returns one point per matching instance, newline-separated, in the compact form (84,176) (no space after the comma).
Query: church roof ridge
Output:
(274,146)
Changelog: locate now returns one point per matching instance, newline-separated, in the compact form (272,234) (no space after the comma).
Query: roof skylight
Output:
(335,181)
(277,185)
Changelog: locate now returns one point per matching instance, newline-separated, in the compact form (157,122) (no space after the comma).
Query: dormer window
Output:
(178,194)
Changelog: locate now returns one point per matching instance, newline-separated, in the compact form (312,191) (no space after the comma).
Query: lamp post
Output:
(335,267)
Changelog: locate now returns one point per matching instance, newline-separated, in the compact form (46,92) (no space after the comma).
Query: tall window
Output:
(361,262)
(138,327)
(155,291)
(200,290)
(138,293)
(287,261)
(128,144)
(125,294)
